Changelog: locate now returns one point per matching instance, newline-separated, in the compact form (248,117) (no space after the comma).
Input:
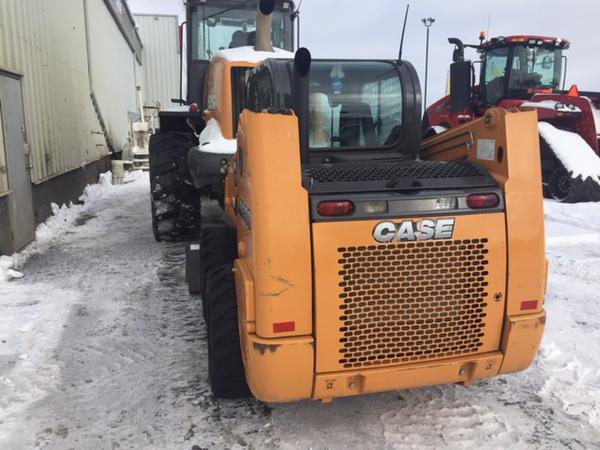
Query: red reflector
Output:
(480,201)
(574,91)
(283,327)
(528,305)
(194,108)
(335,208)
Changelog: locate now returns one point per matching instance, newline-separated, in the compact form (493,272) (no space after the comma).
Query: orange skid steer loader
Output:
(361,259)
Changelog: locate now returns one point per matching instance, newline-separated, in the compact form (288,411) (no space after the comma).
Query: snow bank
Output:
(572,150)
(30,329)
(34,312)
(248,54)
(212,140)
(63,219)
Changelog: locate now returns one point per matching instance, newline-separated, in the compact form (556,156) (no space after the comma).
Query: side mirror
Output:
(460,85)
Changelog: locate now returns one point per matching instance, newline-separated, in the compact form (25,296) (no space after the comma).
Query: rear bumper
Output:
(282,370)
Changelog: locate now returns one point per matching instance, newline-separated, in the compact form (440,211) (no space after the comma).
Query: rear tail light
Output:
(194,108)
(284,327)
(528,305)
(483,201)
(335,208)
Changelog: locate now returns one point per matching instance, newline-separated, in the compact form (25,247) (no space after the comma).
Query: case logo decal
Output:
(410,230)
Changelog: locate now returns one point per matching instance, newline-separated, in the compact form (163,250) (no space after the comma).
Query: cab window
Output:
(219,28)
(495,74)
(354,105)
(214,86)
(534,68)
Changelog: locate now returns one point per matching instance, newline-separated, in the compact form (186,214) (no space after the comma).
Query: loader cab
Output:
(214,25)
(518,67)
(347,109)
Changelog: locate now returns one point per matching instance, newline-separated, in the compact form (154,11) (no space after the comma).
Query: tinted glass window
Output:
(534,68)
(495,72)
(354,104)
(239,79)
(217,29)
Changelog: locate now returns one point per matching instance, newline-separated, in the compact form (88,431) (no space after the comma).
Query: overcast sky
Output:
(372,29)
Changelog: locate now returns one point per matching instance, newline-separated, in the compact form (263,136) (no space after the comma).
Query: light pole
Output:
(428,22)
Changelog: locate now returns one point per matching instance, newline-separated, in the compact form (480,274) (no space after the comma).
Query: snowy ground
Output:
(102,348)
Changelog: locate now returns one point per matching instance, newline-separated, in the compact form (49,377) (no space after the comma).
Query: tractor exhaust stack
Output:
(264,25)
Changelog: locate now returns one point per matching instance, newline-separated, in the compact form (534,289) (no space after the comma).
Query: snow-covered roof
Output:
(248,54)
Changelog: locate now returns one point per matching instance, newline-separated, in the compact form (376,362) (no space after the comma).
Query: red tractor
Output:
(529,72)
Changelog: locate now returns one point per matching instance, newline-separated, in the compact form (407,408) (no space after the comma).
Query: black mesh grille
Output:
(387,171)
(385,175)
(412,301)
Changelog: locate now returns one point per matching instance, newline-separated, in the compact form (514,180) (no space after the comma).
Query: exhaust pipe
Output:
(264,26)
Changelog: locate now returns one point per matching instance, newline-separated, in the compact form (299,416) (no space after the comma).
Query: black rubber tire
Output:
(176,209)
(225,365)
(218,246)
(559,184)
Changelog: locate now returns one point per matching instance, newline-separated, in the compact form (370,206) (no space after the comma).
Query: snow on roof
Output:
(248,54)
(572,150)
(212,140)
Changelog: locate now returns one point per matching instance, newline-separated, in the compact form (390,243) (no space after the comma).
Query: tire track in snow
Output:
(134,368)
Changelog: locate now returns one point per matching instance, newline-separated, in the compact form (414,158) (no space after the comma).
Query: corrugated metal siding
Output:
(3,174)
(159,34)
(46,43)
(113,72)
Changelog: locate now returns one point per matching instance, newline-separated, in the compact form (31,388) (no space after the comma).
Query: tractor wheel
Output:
(559,184)
(218,246)
(225,365)
(175,201)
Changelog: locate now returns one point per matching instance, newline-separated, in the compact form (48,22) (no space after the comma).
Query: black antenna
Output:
(403,31)
(296,16)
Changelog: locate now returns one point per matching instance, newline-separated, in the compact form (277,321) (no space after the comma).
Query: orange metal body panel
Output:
(279,370)
(457,370)
(244,288)
(276,245)
(274,273)
(219,92)
(515,166)
(521,341)
(380,325)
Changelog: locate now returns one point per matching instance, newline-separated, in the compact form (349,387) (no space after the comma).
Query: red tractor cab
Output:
(528,72)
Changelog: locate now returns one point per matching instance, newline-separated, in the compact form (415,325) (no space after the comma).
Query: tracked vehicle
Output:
(530,72)
(356,258)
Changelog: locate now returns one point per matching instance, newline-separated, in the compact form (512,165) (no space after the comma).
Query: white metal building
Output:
(68,76)
(161,59)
